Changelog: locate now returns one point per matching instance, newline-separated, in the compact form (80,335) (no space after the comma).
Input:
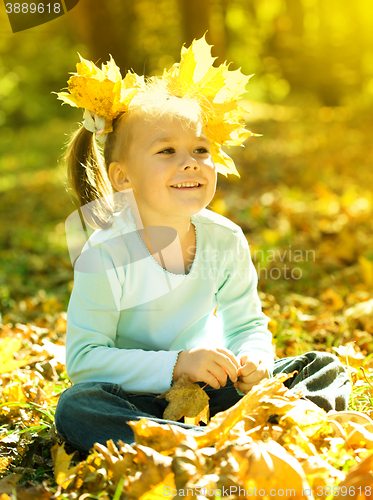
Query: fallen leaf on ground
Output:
(220,425)
(162,438)
(270,467)
(358,482)
(62,471)
(8,483)
(158,492)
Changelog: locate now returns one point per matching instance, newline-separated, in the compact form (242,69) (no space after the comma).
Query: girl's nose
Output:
(190,162)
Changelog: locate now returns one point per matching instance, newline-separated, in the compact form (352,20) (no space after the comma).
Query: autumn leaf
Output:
(332,299)
(102,91)
(120,462)
(358,436)
(366,270)
(358,482)
(220,425)
(156,471)
(350,354)
(158,492)
(8,347)
(162,438)
(311,419)
(62,471)
(185,399)
(362,312)
(217,90)
(4,463)
(14,392)
(320,473)
(204,416)
(271,467)
(8,483)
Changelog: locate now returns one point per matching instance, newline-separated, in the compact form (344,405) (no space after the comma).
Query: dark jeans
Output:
(91,412)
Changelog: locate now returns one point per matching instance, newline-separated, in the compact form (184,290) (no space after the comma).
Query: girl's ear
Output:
(118,176)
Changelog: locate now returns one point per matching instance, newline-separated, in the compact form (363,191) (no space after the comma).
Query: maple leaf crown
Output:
(104,95)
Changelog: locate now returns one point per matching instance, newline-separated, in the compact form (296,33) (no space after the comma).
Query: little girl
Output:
(164,286)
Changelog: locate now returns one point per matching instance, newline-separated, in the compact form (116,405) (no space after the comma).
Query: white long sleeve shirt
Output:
(127,322)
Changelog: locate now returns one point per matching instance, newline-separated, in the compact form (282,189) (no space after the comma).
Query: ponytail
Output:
(89,179)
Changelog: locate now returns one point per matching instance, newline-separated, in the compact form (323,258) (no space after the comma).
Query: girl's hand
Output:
(251,372)
(207,365)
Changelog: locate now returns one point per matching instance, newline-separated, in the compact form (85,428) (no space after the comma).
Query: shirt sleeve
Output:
(245,326)
(92,319)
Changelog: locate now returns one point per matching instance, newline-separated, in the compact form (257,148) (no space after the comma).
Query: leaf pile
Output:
(239,449)
(303,447)
(32,375)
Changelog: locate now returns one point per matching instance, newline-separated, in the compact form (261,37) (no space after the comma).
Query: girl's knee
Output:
(71,401)
(324,358)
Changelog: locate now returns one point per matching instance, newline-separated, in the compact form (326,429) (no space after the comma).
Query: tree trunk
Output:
(106,28)
(199,16)
(195,19)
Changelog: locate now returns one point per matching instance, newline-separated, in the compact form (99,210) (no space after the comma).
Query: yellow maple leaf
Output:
(217,90)
(203,416)
(8,347)
(220,425)
(101,91)
(63,473)
(211,83)
(194,63)
(224,163)
(271,468)
(158,492)
(163,438)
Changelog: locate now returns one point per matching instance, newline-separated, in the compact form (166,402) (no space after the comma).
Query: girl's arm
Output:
(92,320)
(245,330)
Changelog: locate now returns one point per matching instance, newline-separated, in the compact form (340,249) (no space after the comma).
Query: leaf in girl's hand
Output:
(185,399)
(204,416)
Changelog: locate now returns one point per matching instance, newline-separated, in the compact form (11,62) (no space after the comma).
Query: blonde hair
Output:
(88,164)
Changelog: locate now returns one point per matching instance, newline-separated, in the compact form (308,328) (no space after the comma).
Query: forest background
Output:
(304,199)
(305,184)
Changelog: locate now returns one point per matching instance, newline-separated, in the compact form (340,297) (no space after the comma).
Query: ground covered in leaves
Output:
(305,206)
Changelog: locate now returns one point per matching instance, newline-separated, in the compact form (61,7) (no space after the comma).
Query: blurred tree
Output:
(195,19)
(199,16)
(300,50)
(295,12)
(107,28)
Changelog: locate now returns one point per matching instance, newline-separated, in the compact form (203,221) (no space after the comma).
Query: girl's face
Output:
(164,153)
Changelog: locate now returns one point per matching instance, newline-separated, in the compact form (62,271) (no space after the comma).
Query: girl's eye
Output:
(167,151)
(201,150)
